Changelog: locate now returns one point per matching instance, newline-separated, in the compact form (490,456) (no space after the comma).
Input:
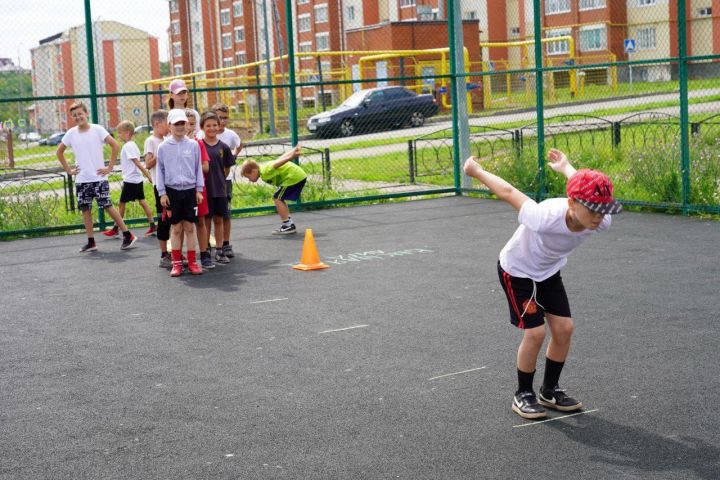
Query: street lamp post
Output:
(271,107)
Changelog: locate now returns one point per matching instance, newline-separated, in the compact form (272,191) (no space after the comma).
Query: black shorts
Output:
(85,193)
(290,193)
(163,225)
(526,312)
(131,192)
(183,205)
(218,206)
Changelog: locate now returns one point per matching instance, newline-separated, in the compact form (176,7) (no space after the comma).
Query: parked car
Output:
(374,109)
(53,139)
(29,137)
(143,128)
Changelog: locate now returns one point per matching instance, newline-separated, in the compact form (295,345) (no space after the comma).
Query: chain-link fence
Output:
(385,98)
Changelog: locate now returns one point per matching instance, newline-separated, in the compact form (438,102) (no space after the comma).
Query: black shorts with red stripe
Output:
(528,310)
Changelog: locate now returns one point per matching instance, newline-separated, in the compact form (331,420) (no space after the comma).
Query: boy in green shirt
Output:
(287,176)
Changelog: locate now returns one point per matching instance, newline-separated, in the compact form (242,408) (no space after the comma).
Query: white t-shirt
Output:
(541,244)
(88,149)
(232,140)
(131,173)
(151,146)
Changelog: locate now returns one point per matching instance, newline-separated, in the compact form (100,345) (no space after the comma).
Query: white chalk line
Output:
(343,329)
(457,373)
(556,418)
(267,301)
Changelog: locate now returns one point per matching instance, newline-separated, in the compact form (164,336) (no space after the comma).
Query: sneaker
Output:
(152,231)
(113,232)
(285,229)
(194,268)
(221,259)
(556,398)
(206,262)
(165,261)
(128,242)
(228,251)
(88,247)
(526,405)
(177,269)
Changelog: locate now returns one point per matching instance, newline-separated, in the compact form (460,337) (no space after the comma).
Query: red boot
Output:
(193,266)
(177,267)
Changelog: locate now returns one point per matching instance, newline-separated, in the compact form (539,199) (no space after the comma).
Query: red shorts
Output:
(203,209)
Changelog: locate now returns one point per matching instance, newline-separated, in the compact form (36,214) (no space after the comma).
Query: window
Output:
(237,9)
(471,15)
(175,27)
(177,49)
(705,12)
(646,39)
(560,47)
(325,66)
(305,47)
(407,3)
(591,4)
(350,13)
(302,2)
(173,6)
(227,62)
(304,22)
(196,27)
(225,16)
(321,13)
(515,32)
(239,34)
(645,3)
(240,58)
(322,41)
(593,37)
(178,69)
(556,6)
(226,40)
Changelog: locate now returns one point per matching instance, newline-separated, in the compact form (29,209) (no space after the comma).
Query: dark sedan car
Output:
(53,139)
(374,109)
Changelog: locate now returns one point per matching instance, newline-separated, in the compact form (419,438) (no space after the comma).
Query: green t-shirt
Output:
(288,174)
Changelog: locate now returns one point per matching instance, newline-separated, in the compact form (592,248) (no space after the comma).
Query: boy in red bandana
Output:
(529,271)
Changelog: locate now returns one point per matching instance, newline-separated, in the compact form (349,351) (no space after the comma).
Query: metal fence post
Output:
(326,168)
(322,84)
(411,160)
(292,110)
(71,192)
(616,137)
(539,99)
(684,113)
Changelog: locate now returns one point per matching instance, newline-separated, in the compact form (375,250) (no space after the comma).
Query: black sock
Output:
(126,234)
(552,373)
(91,240)
(525,381)
(226,243)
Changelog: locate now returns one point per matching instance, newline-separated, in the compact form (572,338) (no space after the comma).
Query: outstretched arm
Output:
(560,163)
(500,187)
(286,157)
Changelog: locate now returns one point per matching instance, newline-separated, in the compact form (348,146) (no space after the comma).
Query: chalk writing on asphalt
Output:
(373,255)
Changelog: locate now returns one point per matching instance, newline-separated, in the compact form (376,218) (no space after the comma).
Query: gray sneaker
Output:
(206,262)
(165,262)
(285,229)
(228,251)
(221,259)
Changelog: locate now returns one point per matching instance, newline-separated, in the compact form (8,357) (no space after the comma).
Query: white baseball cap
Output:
(177,115)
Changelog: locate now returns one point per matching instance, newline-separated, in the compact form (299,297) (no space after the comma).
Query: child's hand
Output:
(558,160)
(73,171)
(165,201)
(199,197)
(472,168)
(296,151)
(105,171)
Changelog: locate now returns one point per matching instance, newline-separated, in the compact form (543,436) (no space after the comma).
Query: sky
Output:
(26,22)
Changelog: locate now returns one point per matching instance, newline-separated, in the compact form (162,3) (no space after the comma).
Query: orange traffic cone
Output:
(310,259)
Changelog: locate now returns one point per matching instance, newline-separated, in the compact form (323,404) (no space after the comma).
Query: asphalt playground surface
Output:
(396,362)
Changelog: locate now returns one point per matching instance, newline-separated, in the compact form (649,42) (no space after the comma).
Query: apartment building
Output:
(124,56)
